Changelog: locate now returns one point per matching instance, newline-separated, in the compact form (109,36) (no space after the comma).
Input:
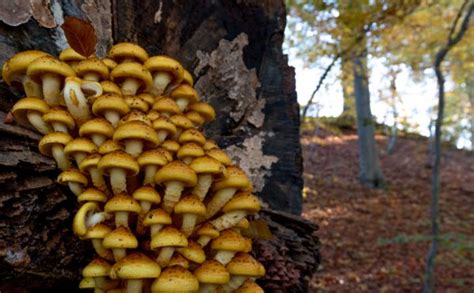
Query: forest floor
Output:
(377,240)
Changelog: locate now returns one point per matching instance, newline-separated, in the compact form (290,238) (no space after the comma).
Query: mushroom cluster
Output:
(162,205)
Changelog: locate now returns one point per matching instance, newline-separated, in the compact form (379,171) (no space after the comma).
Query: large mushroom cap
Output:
(98,267)
(175,279)
(153,157)
(132,70)
(21,108)
(46,143)
(92,65)
(96,126)
(92,194)
(122,51)
(110,102)
(219,155)
(121,237)
(80,145)
(235,178)
(15,67)
(109,146)
(190,150)
(59,115)
(136,130)
(176,171)
(72,175)
(135,266)
(185,91)
(109,87)
(156,216)
(190,204)
(212,272)
(97,231)
(249,286)
(206,165)
(147,193)
(229,240)
(243,201)
(122,203)
(243,264)
(119,159)
(48,64)
(193,252)
(204,109)
(167,64)
(168,236)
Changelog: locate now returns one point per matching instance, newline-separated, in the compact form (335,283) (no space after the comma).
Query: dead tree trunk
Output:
(233,49)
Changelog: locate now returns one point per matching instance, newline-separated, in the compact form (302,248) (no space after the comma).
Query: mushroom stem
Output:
(234,283)
(219,200)
(121,219)
(113,117)
(130,86)
(155,228)
(91,76)
(165,255)
(36,119)
(182,103)
(172,195)
(75,187)
(99,248)
(146,205)
(202,186)
(79,157)
(51,88)
(203,240)
(58,155)
(162,134)
(189,221)
(224,256)
(31,87)
(207,288)
(161,80)
(228,220)
(76,101)
(60,127)
(134,286)
(134,147)
(119,253)
(118,180)
(98,139)
(149,177)
(98,179)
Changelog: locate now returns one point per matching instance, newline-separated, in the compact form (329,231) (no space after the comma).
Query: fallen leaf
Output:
(80,35)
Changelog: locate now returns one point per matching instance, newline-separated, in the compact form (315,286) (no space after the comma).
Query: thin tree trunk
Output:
(393,103)
(470,94)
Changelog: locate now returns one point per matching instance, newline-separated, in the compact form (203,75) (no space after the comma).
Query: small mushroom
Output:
(135,115)
(71,57)
(74,179)
(242,267)
(132,76)
(184,95)
(226,188)
(96,234)
(171,146)
(52,144)
(206,233)
(204,109)
(210,275)
(90,165)
(127,52)
(109,87)
(98,130)
(241,205)
(109,146)
(111,64)
(87,283)
(147,196)
(182,123)
(148,98)
(79,148)
(164,128)
(150,161)
(92,69)
(110,106)
(179,260)
(175,176)
(51,73)
(59,119)
(119,240)
(193,252)
(29,111)
(88,216)
(76,93)
(135,135)
(166,106)
(166,71)
(227,244)
(206,168)
(175,279)
(192,135)
(156,219)
(190,206)
(249,286)
(187,78)
(92,194)
(118,165)
(209,145)
(121,205)
(167,240)
(195,118)
(188,152)
(219,155)
(135,103)
(99,270)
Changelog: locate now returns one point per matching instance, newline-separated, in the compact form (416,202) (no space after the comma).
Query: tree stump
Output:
(233,49)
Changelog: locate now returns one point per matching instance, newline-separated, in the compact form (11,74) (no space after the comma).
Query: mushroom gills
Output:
(228,220)
(35,119)
(202,186)
(219,200)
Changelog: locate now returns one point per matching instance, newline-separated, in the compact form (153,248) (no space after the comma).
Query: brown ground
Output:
(355,221)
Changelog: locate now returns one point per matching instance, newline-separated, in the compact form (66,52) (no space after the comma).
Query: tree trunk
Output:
(393,104)
(470,94)
(347,82)
(233,49)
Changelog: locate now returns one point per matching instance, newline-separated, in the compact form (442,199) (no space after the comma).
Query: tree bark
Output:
(233,49)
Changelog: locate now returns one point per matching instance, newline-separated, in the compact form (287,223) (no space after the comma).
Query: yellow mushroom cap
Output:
(181,121)
(168,236)
(98,267)
(148,98)
(167,64)
(188,78)
(96,126)
(15,67)
(192,135)
(72,175)
(206,165)
(190,150)
(91,161)
(122,203)
(135,266)
(135,103)
(126,50)
(80,144)
(21,108)
(135,115)
(175,279)
(136,130)
(195,118)
(170,145)
(153,157)
(109,87)
(243,224)
(190,204)
(193,252)
(209,145)
(156,216)
(165,104)
(176,171)
(92,65)
(163,123)
(69,55)
(235,178)
(229,240)
(208,230)
(48,64)
(220,155)
(121,237)
(249,286)
(243,201)
(204,109)
(110,102)
(212,272)
(179,260)
(59,115)
(109,146)
(46,143)
(97,231)
(153,114)
(92,194)
(185,91)
(109,63)
(147,193)
(132,70)
(87,283)
(243,264)
(119,159)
